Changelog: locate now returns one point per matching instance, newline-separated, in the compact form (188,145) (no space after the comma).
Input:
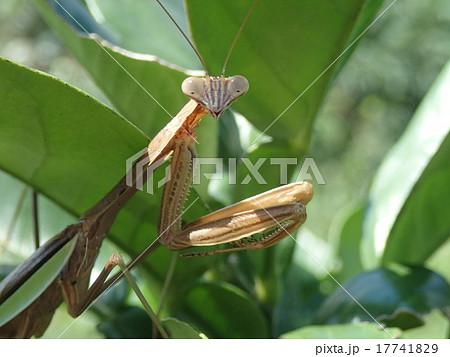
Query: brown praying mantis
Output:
(272,215)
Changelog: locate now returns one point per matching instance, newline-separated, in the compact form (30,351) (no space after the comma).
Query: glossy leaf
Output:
(261,49)
(370,330)
(225,311)
(46,124)
(108,66)
(407,216)
(16,224)
(300,297)
(85,326)
(348,243)
(128,322)
(382,292)
(283,49)
(180,329)
(143,27)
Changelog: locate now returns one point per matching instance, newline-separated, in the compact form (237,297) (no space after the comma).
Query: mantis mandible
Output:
(273,214)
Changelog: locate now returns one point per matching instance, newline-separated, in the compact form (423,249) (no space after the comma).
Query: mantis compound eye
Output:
(193,88)
(237,86)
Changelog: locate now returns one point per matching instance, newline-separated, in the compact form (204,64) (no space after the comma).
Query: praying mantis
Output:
(273,215)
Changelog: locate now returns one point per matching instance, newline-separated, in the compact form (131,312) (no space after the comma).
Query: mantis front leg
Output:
(176,189)
(273,215)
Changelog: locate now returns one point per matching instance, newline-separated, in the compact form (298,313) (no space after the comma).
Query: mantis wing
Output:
(27,282)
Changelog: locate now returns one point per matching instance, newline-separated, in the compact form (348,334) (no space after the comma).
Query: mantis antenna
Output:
(184,35)
(195,49)
(215,94)
(236,37)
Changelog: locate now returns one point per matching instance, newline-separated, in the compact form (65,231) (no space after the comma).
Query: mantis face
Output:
(215,94)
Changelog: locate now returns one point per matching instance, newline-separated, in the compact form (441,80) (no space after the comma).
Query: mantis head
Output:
(215,94)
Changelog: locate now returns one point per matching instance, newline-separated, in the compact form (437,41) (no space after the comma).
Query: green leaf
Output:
(368,12)
(16,224)
(222,310)
(282,51)
(313,253)
(437,325)
(370,330)
(299,299)
(382,292)
(59,140)
(128,322)
(347,238)
(108,66)
(260,50)
(180,329)
(402,318)
(407,215)
(120,319)
(53,136)
(85,326)
(76,14)
(439,261)
(143,27)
